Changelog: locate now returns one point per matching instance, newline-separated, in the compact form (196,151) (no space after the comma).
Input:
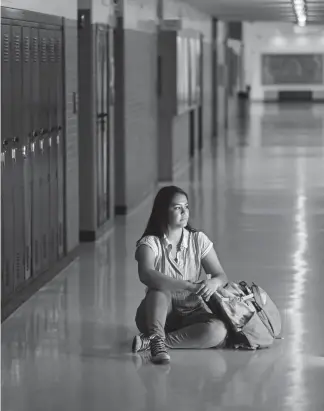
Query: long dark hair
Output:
(158,222)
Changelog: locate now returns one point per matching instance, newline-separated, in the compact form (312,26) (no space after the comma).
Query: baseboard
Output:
(35,284)
(121,210)
(89,236)
(132,208)
(86,236)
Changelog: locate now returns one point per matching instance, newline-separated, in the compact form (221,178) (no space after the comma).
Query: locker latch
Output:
(24,151)
(41,144)
(32,147)
(13,153)
(57,139)
(50,141)
(3,158)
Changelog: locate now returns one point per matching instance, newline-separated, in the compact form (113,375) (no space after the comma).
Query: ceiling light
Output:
(300,9)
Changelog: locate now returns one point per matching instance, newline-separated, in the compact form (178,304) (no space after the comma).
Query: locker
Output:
(52,148)
(32,151)
(35,154)
(43,145)
(26,73)
(102,93)
(7,244)
(111,118)
(16,154)
(59,141)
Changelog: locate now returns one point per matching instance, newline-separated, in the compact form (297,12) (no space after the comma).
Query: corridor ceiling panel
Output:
(259,10)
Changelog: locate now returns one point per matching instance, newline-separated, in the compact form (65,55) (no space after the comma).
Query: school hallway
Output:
(257,192)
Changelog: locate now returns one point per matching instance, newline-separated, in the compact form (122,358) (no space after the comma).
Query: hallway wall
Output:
(270,38)
(140,99)
(137,153)
(62,8)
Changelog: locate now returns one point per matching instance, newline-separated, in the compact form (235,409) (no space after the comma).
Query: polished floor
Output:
(259,194)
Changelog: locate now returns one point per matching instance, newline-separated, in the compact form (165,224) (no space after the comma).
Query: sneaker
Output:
(140,343)
(159,351)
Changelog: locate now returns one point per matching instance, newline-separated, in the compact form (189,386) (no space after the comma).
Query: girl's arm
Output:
(213,267)
(156,280)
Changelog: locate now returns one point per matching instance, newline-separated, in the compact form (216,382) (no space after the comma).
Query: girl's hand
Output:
(206,289)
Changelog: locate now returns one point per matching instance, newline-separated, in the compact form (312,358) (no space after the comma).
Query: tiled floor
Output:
(259,194)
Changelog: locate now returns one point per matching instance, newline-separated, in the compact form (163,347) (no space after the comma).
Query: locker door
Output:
(52,147)
(16,154)
(25,149)
(35,154)
(111,118)
(7,244)
(44,147)
(102,77)
(59,141)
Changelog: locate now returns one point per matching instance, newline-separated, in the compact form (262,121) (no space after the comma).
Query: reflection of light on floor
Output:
(297,396)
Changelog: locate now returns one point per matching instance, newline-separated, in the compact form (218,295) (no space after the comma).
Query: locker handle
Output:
(59,128)
(54,129)
(15,140)
(5,143)
(33,134)
(102,115)
(43,131)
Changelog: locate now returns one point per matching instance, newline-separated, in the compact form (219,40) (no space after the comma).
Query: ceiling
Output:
(259,10)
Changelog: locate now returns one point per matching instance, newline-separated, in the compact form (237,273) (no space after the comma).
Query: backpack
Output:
(252,319)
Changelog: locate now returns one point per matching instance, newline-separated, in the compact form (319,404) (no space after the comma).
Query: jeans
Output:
(156,315)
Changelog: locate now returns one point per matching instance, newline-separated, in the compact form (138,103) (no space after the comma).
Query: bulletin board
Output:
(280,69)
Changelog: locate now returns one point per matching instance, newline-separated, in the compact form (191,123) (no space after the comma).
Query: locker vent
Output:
(35,49)
(44,246)
(6,46)
(7,273)
(43,50)
(58,51)
(60,233)
(36,252)
(27,259)
(17,48)
(18,261)
(26,49)
(52,50)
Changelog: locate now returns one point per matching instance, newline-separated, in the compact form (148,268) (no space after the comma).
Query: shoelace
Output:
(157,346)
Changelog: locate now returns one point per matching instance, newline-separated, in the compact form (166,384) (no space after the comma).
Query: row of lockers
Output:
(32,155)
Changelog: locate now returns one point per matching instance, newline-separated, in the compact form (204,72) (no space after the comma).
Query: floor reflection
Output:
(258,192)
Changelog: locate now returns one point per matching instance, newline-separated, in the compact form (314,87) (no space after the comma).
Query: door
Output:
(214,77)
(35,155)
(52,149)
(43,146)
(59,141)
(7,243)
(102,131)
(17,139)
(26,159)
(111,123)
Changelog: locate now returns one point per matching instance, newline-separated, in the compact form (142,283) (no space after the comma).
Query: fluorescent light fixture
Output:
(300,9)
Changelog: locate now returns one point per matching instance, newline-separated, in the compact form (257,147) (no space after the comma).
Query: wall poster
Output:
(281,69)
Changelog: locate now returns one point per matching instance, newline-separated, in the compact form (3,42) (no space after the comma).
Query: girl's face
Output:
(179,211)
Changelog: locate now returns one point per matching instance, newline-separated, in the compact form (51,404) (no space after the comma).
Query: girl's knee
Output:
(159,294)
(215,333)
